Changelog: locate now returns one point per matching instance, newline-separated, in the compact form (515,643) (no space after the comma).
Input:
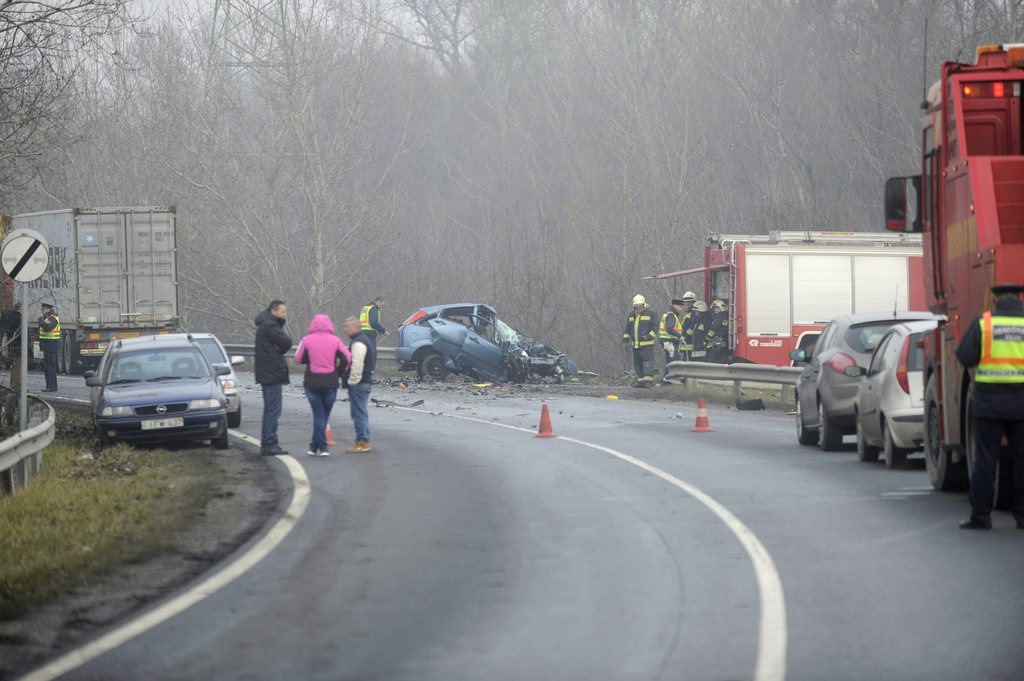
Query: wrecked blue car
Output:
(469,339)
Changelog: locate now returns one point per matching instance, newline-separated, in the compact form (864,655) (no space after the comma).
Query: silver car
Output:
(889,408)
(216,355)
(825,394)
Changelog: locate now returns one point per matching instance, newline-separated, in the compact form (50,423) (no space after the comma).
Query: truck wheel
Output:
(895,457)
(67,347)
(865,452)
(830,438)
(943,473)
(432,366)
(804,435)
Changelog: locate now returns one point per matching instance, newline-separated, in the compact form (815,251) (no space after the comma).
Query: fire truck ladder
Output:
(731,245)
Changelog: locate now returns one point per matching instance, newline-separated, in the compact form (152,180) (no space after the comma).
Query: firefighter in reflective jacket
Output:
(698,331)
(994,343)
(670,333)
(688,320)
(641,333)
(717,338)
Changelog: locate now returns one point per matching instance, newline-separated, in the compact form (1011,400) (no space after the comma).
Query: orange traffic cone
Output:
(327,433)
(702,425)
(545,423)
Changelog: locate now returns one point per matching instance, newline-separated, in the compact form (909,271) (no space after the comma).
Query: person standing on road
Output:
(359,382)
(687,320)
(326,358)
(717,338)
(10,327)
(641,333)
(271,371)
(698,334)
(49,343)
(994,343)
(670,333)
(370,319)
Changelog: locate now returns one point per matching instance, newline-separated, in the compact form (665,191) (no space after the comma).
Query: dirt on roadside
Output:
(247,495)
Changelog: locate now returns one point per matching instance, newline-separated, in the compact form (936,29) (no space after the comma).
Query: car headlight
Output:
(204,404)
(227,383)
(117,411)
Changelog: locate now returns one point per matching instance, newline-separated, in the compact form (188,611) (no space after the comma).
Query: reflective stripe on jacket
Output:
(1002,350)
(670,331)
(641,330)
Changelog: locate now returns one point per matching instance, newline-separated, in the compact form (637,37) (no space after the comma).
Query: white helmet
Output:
(689,296)
(639,300)
(718,306)
(700,306)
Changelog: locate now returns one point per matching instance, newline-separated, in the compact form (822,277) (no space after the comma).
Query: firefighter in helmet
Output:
(688,321)
(994,344)
(701,323)
(717,338)
(641,333)
(670,334)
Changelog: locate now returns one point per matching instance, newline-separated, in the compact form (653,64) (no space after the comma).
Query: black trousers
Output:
(643,363)
(50,364)
(988,434)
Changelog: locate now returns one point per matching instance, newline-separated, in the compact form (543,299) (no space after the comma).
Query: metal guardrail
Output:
(737,373)
(21,454)
(250,350)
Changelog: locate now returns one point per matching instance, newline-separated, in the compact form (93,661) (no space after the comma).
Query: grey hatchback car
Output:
(825,394)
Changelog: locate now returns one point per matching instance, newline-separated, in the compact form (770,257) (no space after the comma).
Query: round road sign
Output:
(24,255)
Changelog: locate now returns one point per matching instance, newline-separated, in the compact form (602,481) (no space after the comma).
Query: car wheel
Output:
(221,441)
(235,418)
(830,438)
(432,366)
(943,473)
(804,435)
(895,457)
(105,440)
(865,451)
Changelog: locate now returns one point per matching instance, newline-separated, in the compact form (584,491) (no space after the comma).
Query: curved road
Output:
(461,550)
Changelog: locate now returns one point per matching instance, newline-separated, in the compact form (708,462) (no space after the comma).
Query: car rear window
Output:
(865,337)
(211,349)
(915,357)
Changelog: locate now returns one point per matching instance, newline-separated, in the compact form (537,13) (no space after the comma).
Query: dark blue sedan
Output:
(157,389)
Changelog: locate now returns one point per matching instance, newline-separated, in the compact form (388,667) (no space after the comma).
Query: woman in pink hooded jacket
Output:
(326,358)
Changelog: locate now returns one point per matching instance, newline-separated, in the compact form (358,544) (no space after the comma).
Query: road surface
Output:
(463,550)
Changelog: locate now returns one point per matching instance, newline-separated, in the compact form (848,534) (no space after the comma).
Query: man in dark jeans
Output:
(359,382)
(271,371)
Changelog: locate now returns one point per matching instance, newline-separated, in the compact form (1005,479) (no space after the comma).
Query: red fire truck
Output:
(782,288)
(969,204)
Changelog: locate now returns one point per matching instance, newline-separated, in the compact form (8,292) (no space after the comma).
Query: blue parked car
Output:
(469,339)
(158,389)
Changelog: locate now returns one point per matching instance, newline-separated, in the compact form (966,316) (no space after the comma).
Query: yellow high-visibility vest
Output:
(1002,350)
(364,318)
(51,335)
(663,333)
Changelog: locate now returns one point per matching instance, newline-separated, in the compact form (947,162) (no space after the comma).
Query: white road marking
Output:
(209,586)
(772,634)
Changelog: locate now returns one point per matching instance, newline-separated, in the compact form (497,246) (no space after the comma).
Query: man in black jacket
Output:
(271,371)
(994,344)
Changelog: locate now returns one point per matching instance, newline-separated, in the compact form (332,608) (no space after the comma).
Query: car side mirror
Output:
(798,355)
(236,360)
(93,381)
(88,374)
(855,371)
(222,370)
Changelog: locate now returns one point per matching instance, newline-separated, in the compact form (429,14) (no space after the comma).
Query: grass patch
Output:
(89,510)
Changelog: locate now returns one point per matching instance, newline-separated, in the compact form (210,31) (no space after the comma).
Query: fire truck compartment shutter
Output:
(768,294)
(822,287)
(881,282)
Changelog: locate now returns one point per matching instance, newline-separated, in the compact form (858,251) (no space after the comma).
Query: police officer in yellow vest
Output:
(49,343)
(369,319)
(641,333)
(670,333)
(994,344)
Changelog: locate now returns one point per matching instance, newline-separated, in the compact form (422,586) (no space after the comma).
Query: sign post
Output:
(25,256)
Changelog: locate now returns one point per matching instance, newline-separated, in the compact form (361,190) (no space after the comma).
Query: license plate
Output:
(153,424)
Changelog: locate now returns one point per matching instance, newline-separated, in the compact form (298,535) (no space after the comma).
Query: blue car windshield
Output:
(161,365)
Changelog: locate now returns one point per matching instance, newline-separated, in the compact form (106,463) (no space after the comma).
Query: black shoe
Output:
(976,524)
(637,384)
(1020,524)
(48,390)
(273,451)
